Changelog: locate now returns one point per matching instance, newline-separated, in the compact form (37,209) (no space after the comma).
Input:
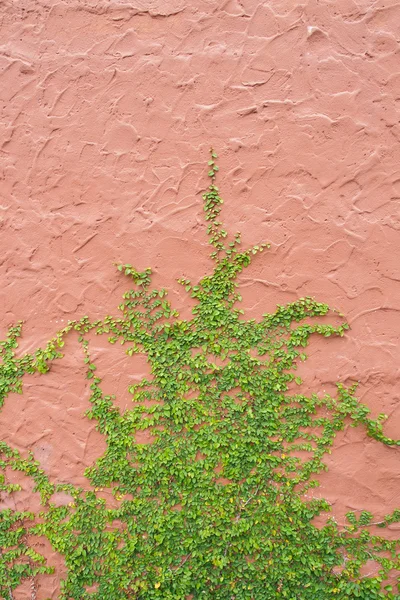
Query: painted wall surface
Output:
(107,112)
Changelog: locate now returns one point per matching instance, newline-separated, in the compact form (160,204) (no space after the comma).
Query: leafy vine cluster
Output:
(216,507)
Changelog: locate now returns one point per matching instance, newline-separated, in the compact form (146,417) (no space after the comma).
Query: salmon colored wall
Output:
(108,109)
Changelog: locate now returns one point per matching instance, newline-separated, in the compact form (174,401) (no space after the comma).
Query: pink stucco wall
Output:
(108,109)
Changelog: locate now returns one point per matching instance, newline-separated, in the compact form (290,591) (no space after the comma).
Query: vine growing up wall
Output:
(217,506)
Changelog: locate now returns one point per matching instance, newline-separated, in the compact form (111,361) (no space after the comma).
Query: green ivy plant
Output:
(216,507)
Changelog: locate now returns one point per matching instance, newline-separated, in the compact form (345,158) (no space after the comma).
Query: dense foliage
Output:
(217,506)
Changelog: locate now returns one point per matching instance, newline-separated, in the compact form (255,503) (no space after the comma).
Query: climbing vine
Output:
(218,506)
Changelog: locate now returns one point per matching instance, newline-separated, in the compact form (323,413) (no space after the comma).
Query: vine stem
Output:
(237,517)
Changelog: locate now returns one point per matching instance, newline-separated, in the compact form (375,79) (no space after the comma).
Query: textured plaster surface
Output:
(107,111)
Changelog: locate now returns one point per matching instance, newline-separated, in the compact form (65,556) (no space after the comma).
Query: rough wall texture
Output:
(107,113)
